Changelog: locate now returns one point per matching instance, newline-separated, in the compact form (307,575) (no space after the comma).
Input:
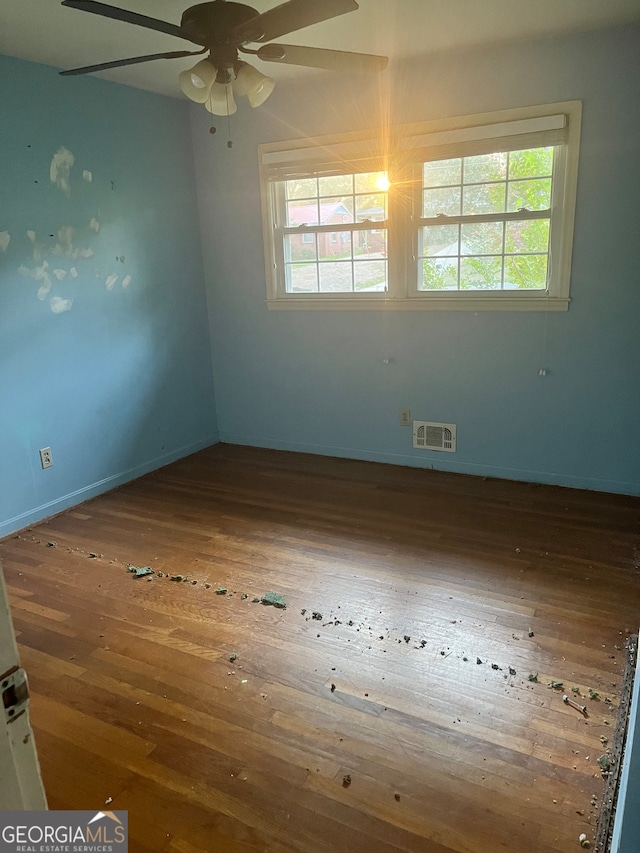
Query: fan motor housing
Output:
(215,22)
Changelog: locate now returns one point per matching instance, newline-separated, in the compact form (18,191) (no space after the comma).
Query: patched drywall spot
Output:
(38,248)
(5,239)
(126,281)
(73,272)
(58,305)
(87,175)
(110,281)
(60,169)
(39,273)
(60,274)
(65,245)
(94,225)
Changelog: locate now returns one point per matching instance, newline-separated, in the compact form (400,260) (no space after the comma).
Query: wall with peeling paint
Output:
(104,341)
(333,382)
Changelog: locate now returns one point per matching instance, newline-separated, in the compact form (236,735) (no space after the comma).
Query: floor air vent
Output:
(431,436)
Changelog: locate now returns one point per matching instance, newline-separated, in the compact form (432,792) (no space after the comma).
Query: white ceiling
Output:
(44,31)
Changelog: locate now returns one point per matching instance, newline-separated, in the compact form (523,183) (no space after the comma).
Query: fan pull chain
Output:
(229,141)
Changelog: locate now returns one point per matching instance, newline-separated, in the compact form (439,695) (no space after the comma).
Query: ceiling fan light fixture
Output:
(197,82)
(254,84)
(220,101)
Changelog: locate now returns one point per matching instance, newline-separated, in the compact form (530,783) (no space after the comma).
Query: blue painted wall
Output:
(107,360)
(317,381)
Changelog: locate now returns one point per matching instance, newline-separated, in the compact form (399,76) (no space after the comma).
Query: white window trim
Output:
(406,146)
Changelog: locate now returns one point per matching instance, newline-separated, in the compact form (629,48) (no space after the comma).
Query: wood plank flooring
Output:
(439,596)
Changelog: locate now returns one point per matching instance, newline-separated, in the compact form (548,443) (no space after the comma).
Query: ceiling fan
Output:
(223,29)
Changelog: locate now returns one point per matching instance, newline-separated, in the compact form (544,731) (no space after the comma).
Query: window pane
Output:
(442,173)
(485,198)
(301,213)
(525,272)
(532,163)
(372,207)
(302,278)
(336,276)
(480,273)
(484,168)
(527,236)
(370,275)
(336,185)
(336,209)
(439,240)
(372,244)
(482,238)
(370,182)
(534,194)
(438,274)
(300,247)
(334,244)
(437,201)
(302,188)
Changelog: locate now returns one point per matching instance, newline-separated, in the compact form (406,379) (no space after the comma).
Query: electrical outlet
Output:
(405,417)
(46,459)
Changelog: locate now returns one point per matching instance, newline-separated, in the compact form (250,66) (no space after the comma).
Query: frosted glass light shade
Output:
(257,86)
(220,101)
(196,83)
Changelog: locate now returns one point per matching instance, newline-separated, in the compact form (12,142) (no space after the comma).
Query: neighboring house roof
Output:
(306,214)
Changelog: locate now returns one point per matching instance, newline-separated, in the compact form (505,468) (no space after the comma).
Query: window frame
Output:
(401,154)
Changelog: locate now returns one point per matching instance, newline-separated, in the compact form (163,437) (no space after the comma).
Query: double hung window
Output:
(471,213)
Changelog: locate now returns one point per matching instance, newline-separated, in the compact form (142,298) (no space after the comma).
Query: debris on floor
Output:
(533,676)
(556,685)
(221,590)
(581,708)
(593,694)
(512,671)
(346,781)
(233,656)
(584,841)
(140,571)
(52,544)
(397,796)
(317,616)
(531,634)
(478,661)
(274,599)
(243,595)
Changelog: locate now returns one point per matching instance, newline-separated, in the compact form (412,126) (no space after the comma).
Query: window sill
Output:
(423,302)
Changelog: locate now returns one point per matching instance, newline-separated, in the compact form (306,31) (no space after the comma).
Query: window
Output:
(472,213)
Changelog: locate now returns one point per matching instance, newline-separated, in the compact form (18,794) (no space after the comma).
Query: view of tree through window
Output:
(352,255)
(485,221)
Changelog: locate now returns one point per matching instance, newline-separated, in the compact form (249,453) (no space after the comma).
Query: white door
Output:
(20,781)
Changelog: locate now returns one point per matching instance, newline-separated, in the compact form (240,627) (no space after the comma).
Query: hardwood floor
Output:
(440,595)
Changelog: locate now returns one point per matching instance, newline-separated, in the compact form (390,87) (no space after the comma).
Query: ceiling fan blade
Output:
(291,16)
(174,54)
(317,57)
(129,18)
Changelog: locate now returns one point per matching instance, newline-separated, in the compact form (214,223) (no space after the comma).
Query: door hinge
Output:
(15,694)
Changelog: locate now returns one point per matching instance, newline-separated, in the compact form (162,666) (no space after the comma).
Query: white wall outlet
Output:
(405,417)
(46,459)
